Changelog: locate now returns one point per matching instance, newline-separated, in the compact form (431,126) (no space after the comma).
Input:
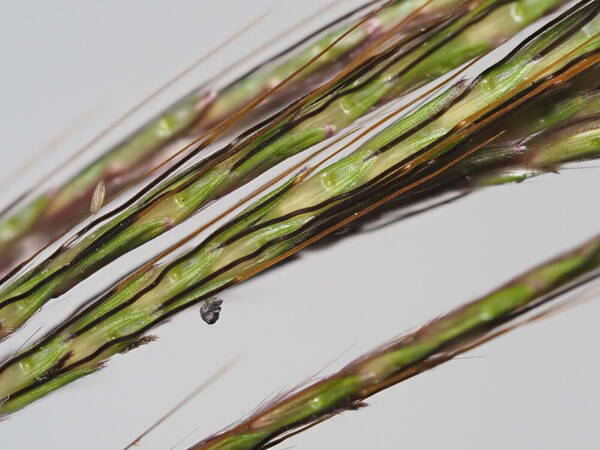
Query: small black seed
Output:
(210,310)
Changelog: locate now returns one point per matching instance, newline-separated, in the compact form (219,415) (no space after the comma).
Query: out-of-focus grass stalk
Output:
(480,29)
(296,213)
(51,213)
(433,344)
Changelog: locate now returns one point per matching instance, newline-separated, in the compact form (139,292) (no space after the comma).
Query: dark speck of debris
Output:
(210,310)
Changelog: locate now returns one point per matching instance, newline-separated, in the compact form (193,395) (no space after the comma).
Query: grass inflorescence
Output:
(455,135)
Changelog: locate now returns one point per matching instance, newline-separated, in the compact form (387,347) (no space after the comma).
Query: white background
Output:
(74,66)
